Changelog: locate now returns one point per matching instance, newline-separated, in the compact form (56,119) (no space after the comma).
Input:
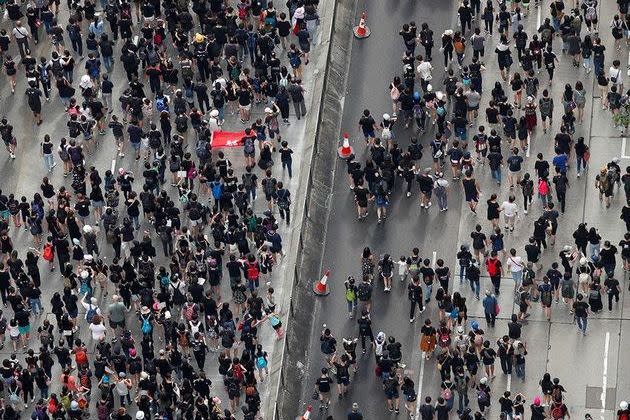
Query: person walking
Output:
(490,308)
(21,36)
(581,310)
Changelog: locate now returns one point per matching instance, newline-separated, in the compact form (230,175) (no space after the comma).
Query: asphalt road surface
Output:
(587,366)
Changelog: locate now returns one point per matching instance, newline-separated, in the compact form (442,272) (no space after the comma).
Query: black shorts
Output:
(343,380)
(114,324)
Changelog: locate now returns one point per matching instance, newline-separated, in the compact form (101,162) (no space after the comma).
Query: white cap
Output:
(268,111)
(84,274)
(87,229)
(76,241)
(623,405)
(386,117)
(214,113)
(483,380)
(139,415)
(167,315)
(429,88)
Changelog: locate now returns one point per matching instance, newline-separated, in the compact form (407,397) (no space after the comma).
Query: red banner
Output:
(222,139)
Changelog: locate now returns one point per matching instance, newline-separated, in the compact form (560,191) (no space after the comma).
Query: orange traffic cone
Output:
(307,413)
(321,288)
(345,150)
(362,30)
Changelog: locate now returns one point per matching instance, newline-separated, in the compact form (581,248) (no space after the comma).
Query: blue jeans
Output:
(609,268)
(221,113)
(287,165)
(44,392)
(463,401)
(136,221)
(427,290)
(36,305)
(520,370)
(543,199)
(517,276)
(598,64)
(352,305)
(474,286)
(496,174)
(251,191)
(593,251)
(49,161)
(581,163)
(581,323)
(462,273)
(108,62)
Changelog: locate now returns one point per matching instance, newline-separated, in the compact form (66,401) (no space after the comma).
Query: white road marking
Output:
(113,168)
(628,72)
(422,354)
(529,143)
(605,374)
(509,383)
(538,17)
(420,379)
(623,149)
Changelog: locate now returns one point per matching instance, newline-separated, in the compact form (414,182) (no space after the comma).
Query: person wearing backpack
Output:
(545,291)
(282,197)
(351,296)
(269,188)
(251,268)
(91,308)
(328,344)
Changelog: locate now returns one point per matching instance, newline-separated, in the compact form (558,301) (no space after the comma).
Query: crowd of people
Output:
(138,256)
(450,126)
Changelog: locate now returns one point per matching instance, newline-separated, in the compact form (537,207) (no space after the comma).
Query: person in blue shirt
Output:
(560,160)
(490,308)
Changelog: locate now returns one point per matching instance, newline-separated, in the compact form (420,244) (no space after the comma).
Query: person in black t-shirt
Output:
(322,386)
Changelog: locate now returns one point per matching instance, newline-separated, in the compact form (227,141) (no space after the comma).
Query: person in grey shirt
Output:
(296,91)
(116,311)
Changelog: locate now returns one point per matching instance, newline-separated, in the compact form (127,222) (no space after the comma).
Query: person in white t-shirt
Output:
(616,75)
(98,328)
(510,212)
(515,265)
(424,69)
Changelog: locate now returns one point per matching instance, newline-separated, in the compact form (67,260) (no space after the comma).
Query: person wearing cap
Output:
(490,308)
(483,394)
(386,129)
(123,386)
(355,414)
(440,188)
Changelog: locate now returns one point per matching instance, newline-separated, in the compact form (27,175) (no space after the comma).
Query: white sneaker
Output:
(411,320)
(408,194)
(428,204)
(525,211)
